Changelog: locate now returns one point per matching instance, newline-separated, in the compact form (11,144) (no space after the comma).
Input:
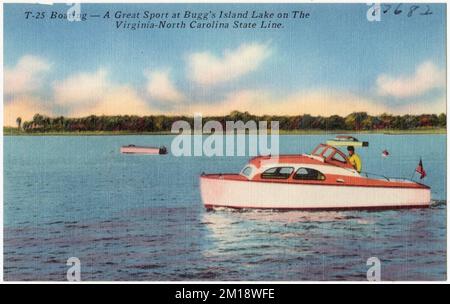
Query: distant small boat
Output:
(132,149)
(347,141)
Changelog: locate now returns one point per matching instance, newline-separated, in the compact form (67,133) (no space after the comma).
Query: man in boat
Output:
(354,159)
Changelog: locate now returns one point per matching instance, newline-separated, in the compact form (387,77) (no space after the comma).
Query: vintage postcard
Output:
(224,142)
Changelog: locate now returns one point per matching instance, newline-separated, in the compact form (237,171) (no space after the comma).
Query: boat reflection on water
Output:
(261,241)
(270,228)
(277,215)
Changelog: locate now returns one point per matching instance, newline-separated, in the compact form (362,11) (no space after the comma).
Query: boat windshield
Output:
(329,153)
(247,171)
(319,150)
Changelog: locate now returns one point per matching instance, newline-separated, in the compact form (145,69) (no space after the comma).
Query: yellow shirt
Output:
(355,161)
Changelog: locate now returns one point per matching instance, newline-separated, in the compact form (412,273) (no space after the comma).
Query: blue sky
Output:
(335,62)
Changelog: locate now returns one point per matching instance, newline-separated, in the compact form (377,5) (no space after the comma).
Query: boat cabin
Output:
(324,159)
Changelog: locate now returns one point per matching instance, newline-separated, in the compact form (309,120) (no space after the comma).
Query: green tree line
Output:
(161,123)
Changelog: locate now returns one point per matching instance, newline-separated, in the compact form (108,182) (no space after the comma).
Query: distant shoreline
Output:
(9,131)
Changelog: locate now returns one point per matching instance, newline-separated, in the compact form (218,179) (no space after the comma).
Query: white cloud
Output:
(120,100)
(26,76)
(208,69)
(81,88)
(330,102)
(320,102)
(85,93)
(426,77)
(24,107)
(161,88)
(314,102)
(436,106)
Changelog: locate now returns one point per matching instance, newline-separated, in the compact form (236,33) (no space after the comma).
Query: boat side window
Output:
(247,171)
(308,174)
(278,173)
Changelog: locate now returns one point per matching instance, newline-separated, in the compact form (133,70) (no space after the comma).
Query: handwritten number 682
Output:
(412,9)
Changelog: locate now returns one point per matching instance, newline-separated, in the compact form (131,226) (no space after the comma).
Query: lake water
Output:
(130,217)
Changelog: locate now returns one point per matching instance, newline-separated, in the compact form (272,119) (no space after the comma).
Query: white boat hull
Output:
(216,192)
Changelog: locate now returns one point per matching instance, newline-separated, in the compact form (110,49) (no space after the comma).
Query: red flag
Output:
(421,170)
